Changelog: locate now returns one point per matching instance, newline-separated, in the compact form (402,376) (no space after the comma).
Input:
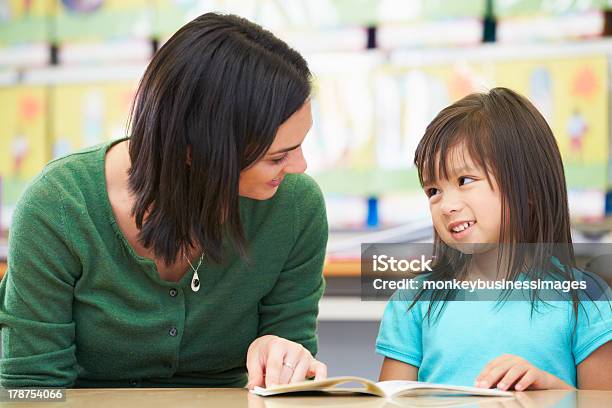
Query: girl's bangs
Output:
(445,149)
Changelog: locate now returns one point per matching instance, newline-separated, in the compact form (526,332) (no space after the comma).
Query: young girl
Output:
(493,173)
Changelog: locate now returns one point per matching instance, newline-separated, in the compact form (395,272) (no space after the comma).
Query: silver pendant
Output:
(195,282)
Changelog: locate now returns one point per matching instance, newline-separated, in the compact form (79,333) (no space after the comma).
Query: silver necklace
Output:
(195,281)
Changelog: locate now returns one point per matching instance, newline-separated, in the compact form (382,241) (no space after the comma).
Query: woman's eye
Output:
(432,191)
(279,160)
(465,180)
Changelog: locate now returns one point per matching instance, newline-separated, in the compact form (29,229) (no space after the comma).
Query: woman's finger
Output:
(290,362)
(274,363)
(317,369)
(301,370)
(255,370)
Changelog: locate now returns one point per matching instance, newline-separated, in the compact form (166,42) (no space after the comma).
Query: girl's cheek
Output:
(438,222)
(433,213)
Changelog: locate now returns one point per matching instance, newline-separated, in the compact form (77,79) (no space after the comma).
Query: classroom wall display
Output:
(24,22)
(369,122)
(273,15)
(343,131)
(399,11)
(572,93)
(424,23)
(530,8)
(306,25)
(369,117)
(23,144)
(88,114)
(528,20)
(102,20)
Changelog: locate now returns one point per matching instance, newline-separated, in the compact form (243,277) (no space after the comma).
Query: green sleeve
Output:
(290,309)
(36,294)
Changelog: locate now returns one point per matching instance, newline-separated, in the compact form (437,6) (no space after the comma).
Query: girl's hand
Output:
(272,360)
(508,370)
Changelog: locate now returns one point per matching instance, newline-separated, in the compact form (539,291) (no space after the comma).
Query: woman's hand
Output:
(272,360)
(508,370)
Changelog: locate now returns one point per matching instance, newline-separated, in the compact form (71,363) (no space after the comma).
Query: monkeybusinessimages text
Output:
(385,263)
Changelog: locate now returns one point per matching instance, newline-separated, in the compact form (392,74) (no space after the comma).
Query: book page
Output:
(396,388)
(327,385)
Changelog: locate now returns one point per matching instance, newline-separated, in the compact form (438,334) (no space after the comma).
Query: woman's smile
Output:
(275,182)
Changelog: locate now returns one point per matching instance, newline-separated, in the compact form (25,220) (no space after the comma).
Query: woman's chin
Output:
(261,195)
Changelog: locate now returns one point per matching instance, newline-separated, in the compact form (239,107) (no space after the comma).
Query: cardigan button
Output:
(173,332)
(134,383)
(173,292)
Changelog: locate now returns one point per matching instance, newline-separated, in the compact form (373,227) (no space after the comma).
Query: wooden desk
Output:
(342,268)
(235,398)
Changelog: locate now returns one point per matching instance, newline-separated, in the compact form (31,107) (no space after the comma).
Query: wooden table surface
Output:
(235,398)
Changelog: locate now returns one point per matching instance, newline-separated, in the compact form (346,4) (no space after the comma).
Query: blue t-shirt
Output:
(468,334)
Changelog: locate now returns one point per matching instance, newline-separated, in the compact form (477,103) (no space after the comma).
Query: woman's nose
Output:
(297,163)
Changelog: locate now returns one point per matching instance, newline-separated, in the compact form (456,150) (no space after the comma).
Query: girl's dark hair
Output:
(208,106)
(505,135)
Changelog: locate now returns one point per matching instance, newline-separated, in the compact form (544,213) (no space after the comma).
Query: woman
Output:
(189,253)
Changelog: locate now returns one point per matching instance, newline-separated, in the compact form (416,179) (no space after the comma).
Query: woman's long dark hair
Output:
(207,107)
(505,135)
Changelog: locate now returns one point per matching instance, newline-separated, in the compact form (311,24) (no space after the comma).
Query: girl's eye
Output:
(432,191)
(280,159)
(466,180)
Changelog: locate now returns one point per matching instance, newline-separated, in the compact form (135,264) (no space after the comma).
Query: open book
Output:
(388,389)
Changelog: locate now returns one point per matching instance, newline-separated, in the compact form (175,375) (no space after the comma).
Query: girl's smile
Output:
(461,229)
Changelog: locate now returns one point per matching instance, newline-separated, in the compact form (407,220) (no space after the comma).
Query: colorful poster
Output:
(306,25)
(274,15)
(340,142)
(23,146)
(103,20)
(24,22)
(86,115)
(401,11)
(316,18)
(531,20)
(370,117)
(572,95)
(516,8)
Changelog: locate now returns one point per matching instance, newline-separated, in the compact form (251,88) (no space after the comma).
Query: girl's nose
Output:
(450,206)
